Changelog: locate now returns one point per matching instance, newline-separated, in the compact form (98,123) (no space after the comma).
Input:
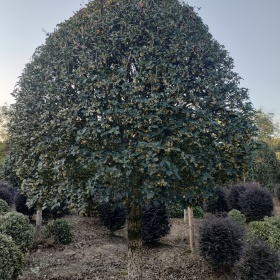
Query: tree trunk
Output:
(185,216)
(39,218)
(134,242)
(191,230)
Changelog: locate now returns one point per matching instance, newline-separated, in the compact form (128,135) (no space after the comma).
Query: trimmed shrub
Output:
(259,262)
(7,193)
(18,227)
(217,203)
(20,204)
(237,216)
(233,196)
(265,231)
(60,230)
(4,207)
(220,242)
(112,216)
(11,259)
(198,212)
(256,203)
(155,221)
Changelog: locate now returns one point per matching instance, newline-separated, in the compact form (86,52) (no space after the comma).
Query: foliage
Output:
(56,212)
(175,210)
(217,202)
(90,208)
(233,196)
(256,203)
(275,143)
(133,110)
(149,107)
(3,154)
(9,171)
(60,230)
(112,216)
(237,216)
(198,212)
(274,220)
(259,262)
(264,167)
(155,221)
(266,231)
(220,242)
(20,204)
(4,207)
(277,192)
(11,259)
(18,227)
(7,192)
(267,128)
(3,150)
(21,207)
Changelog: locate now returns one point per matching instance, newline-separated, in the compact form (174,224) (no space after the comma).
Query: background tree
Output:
(268,129)
(265,167)
(124,100)
(3,139)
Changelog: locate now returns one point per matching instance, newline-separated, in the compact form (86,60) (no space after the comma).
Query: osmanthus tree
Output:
(133,100)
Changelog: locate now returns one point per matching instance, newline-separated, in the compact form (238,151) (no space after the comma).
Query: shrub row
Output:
(254,201)
(223,244)
(17,236)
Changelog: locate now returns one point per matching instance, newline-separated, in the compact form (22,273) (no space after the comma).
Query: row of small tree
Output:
(222,242)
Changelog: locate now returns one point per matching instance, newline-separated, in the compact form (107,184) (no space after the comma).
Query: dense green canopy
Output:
(129,99)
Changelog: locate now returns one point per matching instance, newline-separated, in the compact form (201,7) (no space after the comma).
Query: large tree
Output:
(124,100)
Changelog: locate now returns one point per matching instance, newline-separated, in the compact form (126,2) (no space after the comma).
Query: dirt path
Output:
(95,254)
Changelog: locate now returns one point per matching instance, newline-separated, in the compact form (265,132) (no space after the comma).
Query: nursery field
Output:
(95,254)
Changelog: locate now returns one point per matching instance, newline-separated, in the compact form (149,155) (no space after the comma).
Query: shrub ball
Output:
(4,207)
(60,230)
(256,203)
(19,228)
(112,215)
(11,259)
(259,262)
(217,203)
(233,196)
(220,242)
(155,221)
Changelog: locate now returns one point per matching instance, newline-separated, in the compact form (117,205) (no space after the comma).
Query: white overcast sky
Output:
(249,30)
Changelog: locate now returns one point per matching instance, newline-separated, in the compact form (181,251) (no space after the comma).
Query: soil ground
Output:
(95,254)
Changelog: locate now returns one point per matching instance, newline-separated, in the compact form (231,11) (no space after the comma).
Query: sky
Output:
(248,29)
